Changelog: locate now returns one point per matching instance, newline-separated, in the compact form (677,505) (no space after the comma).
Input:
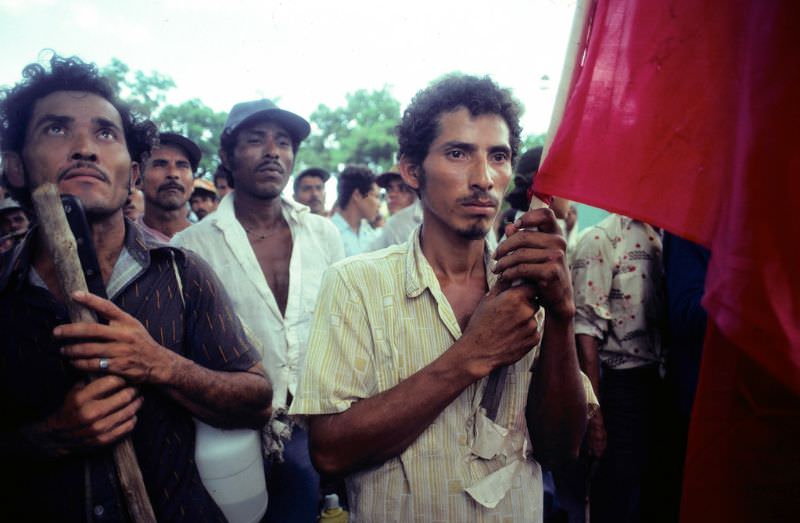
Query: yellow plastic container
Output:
(332,512)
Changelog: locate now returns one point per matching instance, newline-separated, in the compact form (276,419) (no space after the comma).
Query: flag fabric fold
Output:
(683,114)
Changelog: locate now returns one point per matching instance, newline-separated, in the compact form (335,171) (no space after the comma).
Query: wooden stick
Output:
(496,382)
(575,47)
(60,243)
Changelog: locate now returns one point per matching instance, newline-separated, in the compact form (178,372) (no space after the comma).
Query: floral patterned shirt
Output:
(618,280)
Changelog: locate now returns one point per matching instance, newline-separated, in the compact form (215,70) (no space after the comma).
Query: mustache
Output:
(479,197)
(266,164)
(82,165)
(171,185)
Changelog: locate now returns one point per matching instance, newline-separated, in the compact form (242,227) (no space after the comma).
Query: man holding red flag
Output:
(407,341)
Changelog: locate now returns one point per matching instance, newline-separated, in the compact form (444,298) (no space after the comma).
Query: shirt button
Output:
(99,510)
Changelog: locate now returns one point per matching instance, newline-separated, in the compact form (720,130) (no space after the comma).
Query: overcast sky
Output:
(305,52)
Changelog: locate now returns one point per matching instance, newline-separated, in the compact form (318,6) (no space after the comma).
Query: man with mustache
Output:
(167,178)
(168,348)
(410,341)
(270,252)
(309,189)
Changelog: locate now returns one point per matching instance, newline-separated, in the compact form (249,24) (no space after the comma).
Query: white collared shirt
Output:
(282,340)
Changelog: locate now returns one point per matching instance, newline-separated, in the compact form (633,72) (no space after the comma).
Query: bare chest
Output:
(464,299)
(274,255)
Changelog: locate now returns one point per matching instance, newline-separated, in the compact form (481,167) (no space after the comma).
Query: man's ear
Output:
(13,169)
(135,174)
(226,162)
(409,171)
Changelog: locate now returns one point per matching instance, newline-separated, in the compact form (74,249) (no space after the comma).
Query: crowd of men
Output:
(421,370)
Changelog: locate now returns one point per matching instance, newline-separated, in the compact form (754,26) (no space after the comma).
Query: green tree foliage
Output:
(533,140)
(360,132)
(199,123)
(146,92)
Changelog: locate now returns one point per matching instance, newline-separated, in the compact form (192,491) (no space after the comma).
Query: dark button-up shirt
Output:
(34,380)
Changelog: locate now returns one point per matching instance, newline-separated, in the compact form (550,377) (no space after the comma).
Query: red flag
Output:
(684,114)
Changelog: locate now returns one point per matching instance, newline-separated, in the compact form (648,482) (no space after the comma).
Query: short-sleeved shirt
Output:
(382,317)
(617,276)
(34,379)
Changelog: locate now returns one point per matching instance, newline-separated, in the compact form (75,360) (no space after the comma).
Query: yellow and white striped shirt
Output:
(380,318)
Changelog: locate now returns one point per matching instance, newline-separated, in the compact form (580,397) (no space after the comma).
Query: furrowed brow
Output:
(105,122)
(53,118)
(465,146)
(500,149)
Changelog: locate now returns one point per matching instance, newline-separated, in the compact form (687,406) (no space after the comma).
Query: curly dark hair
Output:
(66,74)
(420,124)
(353,177)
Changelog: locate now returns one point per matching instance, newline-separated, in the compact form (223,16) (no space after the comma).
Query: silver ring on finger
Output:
(103,364)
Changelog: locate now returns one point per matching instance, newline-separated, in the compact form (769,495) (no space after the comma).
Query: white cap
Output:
(8,203)
(331,501)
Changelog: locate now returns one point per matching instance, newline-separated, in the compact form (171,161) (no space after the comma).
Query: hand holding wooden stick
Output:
(60,244)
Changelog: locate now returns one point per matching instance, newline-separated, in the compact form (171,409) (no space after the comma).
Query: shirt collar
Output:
(136,244)
(419,273)
(22,261)
(225,215)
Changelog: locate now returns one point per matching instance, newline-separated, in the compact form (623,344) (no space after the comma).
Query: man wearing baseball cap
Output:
(14,223)
(167,176)
(405,209)
(270,252)
(398,194)
(204,198)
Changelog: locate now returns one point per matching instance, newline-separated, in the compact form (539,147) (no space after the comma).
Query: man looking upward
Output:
(151,361)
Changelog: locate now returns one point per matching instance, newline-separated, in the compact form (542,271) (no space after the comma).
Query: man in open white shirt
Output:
(270,253)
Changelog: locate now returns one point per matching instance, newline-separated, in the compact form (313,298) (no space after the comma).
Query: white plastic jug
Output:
(232,471)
